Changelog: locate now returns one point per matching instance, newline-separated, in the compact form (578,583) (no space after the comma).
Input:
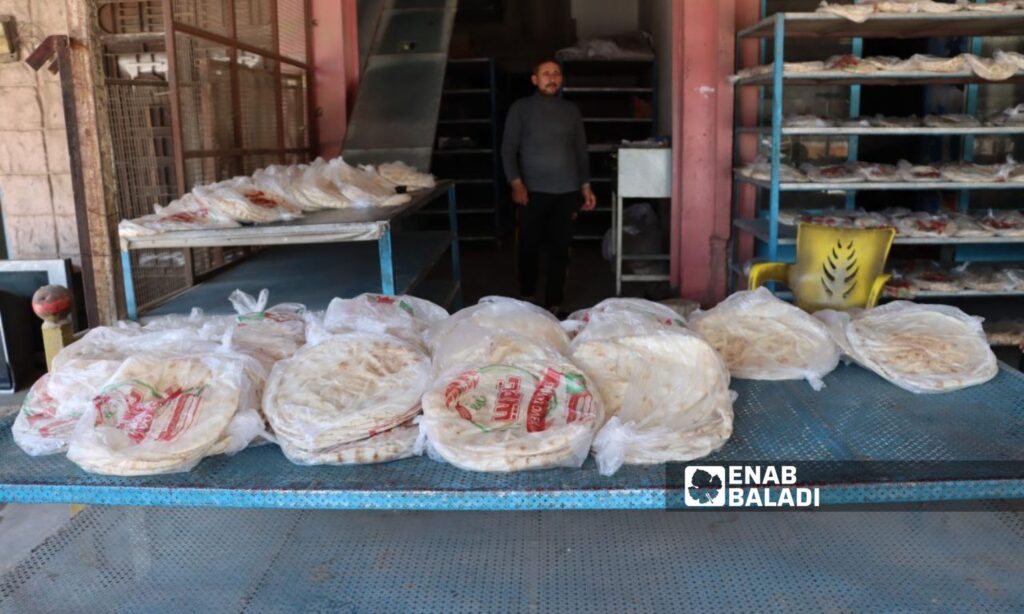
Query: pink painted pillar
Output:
(336,70)
(703,51)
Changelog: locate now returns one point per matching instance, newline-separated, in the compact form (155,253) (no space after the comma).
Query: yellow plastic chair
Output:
(836,268)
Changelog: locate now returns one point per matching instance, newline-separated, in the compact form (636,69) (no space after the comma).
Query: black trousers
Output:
(546,222)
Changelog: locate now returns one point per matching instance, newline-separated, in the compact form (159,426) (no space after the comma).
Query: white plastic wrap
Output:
(762,337)
(504,315)
(362,186)
(284,182)
(162,413)
(665,389)
(185,213)
(345,389)
(637,306)
(504,417)
(266,334)
(405,317)
(920,348)
(833,173)
(240,200)
(318,188)
(400,173)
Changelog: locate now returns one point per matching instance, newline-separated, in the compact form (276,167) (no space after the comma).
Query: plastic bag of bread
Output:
(506,315)
(920,348)
(164,412)
(241,200)
(185,213)
(511,417)
(406,317)
(266,334)
(665,390)
(346,389)
(762,337)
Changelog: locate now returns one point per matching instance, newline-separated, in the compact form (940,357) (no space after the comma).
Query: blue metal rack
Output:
(781,27)
(863,439)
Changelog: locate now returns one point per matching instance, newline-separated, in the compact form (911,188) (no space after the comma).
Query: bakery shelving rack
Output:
(405,259)
(618,100)
(774,241)
(466,147)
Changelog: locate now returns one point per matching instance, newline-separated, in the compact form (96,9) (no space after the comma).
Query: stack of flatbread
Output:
(762,337)
(506,396)
(185,213)
(267,334)
(163,412)
(241,200)
(920,348)
(665,389)
(348,399)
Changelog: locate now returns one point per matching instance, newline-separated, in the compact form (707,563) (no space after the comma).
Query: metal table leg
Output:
(129,285)
(387,265)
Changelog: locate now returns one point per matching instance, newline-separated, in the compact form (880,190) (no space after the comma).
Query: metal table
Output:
(329,226)
(862,440)
(186,560)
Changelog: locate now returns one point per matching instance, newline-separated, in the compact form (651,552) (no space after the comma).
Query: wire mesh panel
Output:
(210,15)
(254,23)
(291,29)
(295,115)
(257,81)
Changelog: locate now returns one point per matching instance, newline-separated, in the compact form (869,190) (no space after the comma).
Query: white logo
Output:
(705,486)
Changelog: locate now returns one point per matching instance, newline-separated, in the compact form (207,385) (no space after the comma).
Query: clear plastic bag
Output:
(405,317)
(185,213)
(497,314)
(345,389)
(511,417)
(762,337)
(920,348)
(164,412)
(665,388)
(267,334)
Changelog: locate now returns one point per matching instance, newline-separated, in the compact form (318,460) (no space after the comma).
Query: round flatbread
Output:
(345,389)
(405,317)
(159,413)
(921,348)
(512,417)
(762,337)
(393,444)
(668,389)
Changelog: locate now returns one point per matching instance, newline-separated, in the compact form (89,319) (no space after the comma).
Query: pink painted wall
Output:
(703,52)
(336,74)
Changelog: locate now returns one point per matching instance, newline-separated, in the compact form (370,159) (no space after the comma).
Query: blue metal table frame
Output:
(329,226)
(861,439)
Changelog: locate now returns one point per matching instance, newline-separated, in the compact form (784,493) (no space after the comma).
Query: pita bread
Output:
(345,389)
(240,200)
(363,186)
(920,348)
(762,337)
(833,173)
(1004,223)
(990,69)
(666,387)
(968,172)
(951,120)
(400,173)
(393,444)
(636,306)
(185,213)
(984,279)
(967,226)
(160,413)
(930,63)
(283,182)
(511,417)
(923,224)
(507,316)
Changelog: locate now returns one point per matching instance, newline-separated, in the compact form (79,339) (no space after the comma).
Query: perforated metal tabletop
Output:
(971,444)
(182,560)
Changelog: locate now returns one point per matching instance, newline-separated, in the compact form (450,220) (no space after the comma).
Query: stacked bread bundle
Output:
(665,389)
(131,401)
(920,348)
(506,397)
(762,337)
(280,193)
(350,395)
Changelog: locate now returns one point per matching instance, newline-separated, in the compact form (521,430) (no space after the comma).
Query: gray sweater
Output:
(545,146)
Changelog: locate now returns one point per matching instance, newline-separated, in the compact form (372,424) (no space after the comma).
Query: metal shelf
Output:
(879,185)
(883,25)
(787,236)
(850,421)
(888,131)
(838,77)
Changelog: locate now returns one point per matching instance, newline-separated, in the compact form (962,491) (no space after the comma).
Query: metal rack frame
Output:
(780,27)
(330,226)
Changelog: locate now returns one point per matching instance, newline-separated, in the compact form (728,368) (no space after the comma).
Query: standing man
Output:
(544,152)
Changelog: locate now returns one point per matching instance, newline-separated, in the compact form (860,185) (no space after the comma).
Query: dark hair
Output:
(544,60)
